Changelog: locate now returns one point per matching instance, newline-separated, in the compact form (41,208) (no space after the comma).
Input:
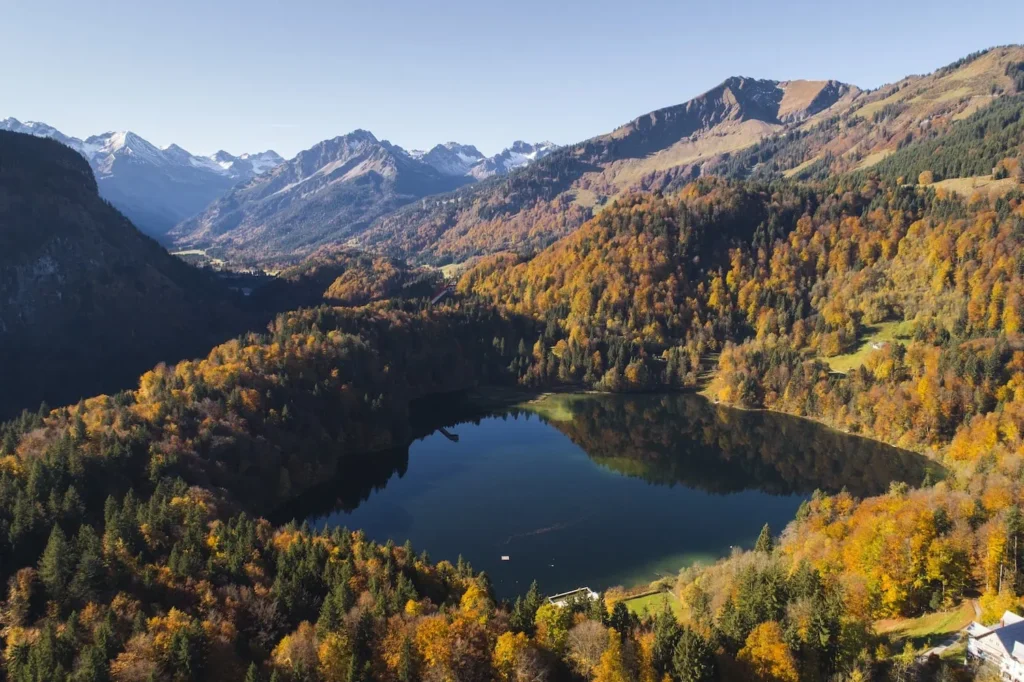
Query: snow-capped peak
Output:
(40,130)
(455,158)
(102,151)
(263,161)
(509,159)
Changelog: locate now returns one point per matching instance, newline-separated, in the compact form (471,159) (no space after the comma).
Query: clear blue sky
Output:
(256,74)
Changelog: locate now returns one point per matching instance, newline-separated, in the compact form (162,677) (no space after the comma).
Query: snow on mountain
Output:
(39,130)
(246,165)
(324,195)
(452,158)
(98,148)
(156,188)
(518,155)
(264,161)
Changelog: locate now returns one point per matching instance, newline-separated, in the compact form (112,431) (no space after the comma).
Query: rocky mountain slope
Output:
(325,195)
(156,188)
(741,128)
(558,193)
(86,300)
(452,158)
(330,193)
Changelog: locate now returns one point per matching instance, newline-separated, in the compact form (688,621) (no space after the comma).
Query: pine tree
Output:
(90,571)
(332,613)
(621,619)
(693,659)
(765,543)
(406,665)
(598,611)
(253,674)
(10,443)
(666,636)
(57,566)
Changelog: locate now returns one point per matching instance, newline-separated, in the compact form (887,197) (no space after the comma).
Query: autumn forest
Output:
(881,300)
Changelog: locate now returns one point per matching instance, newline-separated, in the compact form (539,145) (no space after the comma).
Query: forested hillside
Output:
(640,294)
(86,301)
(345,277)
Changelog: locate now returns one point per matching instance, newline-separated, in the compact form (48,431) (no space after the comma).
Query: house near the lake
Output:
(1001,646)
(563,598)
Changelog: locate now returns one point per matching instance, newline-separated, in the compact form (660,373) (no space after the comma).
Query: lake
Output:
(602,490)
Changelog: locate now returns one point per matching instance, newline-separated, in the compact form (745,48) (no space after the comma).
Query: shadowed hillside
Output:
(86,300)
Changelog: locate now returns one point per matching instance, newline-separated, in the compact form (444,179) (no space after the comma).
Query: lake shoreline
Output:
(656,436)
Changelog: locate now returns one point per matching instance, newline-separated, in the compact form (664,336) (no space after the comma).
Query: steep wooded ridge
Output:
(742,128)
(86,300)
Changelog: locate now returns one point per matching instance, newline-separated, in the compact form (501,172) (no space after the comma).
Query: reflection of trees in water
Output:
(363,474)
(664,439)
(683,438)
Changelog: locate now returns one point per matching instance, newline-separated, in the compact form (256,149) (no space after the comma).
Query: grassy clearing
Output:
(879,333)
(587,198)
(966,187)
(873,158)
(655,603)
(554,407)
(800,168)
(927,630)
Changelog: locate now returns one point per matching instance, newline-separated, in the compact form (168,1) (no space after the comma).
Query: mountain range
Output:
(155,188)
(160,188)
(452,158)
(451,203)
(330,193)
(764,129)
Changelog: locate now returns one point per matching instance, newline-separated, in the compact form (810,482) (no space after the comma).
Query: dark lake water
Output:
(603,490)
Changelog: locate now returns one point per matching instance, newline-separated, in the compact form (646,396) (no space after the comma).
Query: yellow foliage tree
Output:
(767,654)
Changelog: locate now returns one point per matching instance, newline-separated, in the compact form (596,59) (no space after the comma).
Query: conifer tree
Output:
(57,566)
(765,543)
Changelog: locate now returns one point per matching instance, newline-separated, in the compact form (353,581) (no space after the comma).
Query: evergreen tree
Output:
(693,658)
(188,652)
(406,671)
(57,566)
(92,666)
(332,613)
(90,571)
(765,543)
(621,619)
(666,636)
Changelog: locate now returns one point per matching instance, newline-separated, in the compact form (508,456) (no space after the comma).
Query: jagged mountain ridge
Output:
(742,127)
(453,158)
(322,196)
(267,221)
(567,185)
(156,188)
(329,193)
